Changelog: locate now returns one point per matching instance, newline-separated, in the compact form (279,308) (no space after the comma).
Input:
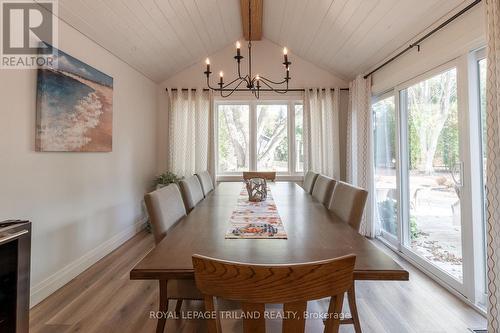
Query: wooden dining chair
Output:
(348,203)
(291,285)
(206,182)
(267,175)
(165,208)
(323,188)
(309,180)
(192,191)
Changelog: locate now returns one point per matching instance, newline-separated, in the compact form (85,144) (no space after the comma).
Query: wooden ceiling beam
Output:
(256,18)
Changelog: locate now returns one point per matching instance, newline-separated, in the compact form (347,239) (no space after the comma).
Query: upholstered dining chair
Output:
(323,188)
(309,180)
(348,203)
(206,182)
(165,208)
(291,285)
(191,191)
(267,175)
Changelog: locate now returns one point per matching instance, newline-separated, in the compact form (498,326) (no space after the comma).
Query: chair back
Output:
(323,188)
(292,285)
(348,203)
(165,207)
(267,175)
(191,191)
(309,180)
(206,182)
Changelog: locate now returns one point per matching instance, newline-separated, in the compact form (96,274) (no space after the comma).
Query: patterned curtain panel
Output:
(191,132)
(321,131)
(359,155)
(493,161)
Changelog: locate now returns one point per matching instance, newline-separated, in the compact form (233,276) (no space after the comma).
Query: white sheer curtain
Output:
(321,131)
(191,132)
(493,162)
(359,159)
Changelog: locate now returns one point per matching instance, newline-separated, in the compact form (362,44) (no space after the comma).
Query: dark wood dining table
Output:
(314,233)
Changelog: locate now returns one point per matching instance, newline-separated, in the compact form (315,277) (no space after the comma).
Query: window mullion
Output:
(291,137)
(253,136)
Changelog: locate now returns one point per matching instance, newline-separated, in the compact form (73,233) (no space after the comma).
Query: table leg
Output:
(160,326)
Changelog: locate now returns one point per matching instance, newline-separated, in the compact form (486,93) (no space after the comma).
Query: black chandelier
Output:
(254,84)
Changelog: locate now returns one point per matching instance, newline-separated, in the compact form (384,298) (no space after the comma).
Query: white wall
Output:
(267,60)
(461,36)
(82,205)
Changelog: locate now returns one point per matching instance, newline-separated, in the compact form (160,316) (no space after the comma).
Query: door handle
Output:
(7,237)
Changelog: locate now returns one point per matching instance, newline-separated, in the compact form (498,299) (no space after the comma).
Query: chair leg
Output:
(332,324)
(178,306)
(351,296)
(160,326)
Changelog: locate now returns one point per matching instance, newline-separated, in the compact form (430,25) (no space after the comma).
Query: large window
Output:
(233,137)
(430,157)
(434,175)
(262,136)
(386,194)
(272,138)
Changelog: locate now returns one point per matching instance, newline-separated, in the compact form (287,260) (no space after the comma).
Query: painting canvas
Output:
(74,107)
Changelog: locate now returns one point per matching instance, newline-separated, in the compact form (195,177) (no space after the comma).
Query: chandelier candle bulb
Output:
(238,47)
(285,54)
(221,75)
(208,65)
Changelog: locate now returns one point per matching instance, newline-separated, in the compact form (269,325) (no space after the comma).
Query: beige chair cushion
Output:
(348,203)
(191,191)
(206,182)
(165,207)
(309,180)
(323,188)
(183,289)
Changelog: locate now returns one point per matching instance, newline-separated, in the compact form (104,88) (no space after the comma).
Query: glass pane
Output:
(299,141)
(272,138)
(386,193)
(233,139)
(434,181)
(482,101)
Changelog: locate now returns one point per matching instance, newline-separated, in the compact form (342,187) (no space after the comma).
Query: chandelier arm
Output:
(271,81)
(208,83)
(275,89)
(230,92)
(230,83)
(239,70)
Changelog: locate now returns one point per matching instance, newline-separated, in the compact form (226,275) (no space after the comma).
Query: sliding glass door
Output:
(434,172)
(430,170)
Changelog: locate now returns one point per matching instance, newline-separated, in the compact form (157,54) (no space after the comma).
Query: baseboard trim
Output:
(57,280)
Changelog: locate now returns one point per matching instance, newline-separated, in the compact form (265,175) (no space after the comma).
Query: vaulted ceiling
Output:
(161,37)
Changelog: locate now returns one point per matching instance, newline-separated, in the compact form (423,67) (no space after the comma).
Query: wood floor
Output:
(103,299)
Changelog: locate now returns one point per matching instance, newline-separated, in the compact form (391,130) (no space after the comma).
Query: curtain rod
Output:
(205,89)
(433,31)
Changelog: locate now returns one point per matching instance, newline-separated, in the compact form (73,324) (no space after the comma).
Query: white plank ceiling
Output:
(161,37)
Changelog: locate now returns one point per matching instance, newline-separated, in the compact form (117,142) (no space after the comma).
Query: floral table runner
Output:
(255,219)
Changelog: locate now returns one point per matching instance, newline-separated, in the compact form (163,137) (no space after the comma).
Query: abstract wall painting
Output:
(74,107)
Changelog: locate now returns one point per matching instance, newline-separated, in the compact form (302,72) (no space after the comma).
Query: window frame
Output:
(291,174)
(392,240)
(479,227)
